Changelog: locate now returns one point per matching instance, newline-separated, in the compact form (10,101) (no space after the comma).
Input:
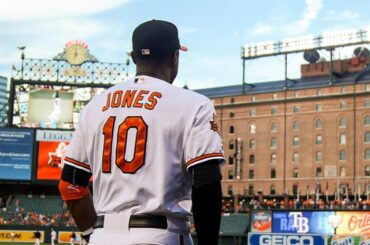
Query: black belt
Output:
(139,221)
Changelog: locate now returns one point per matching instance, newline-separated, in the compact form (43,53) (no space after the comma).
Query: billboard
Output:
(19,236)
(285,239)
(65,237)
(16,152)
(302,222)
(52,146)
(353,223)
(261,221)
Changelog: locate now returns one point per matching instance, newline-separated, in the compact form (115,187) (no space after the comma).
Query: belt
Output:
(139,221)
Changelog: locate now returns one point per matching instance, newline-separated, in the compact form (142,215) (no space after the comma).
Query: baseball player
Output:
(153,150)
(37,235)
(53,236)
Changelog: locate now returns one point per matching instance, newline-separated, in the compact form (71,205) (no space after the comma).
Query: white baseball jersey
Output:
(138,139)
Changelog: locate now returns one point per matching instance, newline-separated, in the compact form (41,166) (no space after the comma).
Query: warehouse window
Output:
(273,173)
(231,144)
(342,155)
(295,141)
(342,122)
(367,171)
(318,139)
(318,172)
(342,139)
(251,174)
(318,156)
(273,142)
(367,120)
(252,144)
(367,154)
(367,137)
(273,127)
(231,129)
(318,107)
(295,157)
(318,124)
(273,158)
(251,159)
(231,160)
(272,190)
(295,125)
(295,173)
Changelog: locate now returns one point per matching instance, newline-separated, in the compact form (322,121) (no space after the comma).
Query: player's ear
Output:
(174,59)
(133,57)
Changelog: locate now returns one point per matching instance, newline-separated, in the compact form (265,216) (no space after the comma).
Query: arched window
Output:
(342,122)
(367,154)
(318,124)
(231,145)
(252,128)
(273,127)
(273,158)
(231,129)
(342,155)
(231,160)
(367,171)
(252,144)
(295,125)
(367,137)
(367,120)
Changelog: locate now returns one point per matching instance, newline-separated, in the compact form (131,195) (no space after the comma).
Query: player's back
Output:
(135,141)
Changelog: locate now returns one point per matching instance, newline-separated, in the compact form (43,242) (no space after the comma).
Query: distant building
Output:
(305,136)
(3,99)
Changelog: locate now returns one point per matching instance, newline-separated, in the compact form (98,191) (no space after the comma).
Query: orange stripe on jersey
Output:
(69,191)
(81,164)
(204,157)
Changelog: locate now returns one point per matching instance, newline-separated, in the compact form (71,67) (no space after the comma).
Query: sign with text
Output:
(52,149)
(302,222)
(285,239)
(19,236)
(16,151)
(357,223)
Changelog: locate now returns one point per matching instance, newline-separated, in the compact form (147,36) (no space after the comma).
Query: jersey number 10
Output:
(139,153)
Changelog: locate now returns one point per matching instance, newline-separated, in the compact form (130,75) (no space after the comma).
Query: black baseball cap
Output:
(156,38)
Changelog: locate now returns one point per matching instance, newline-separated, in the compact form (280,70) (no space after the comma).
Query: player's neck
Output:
(156,74)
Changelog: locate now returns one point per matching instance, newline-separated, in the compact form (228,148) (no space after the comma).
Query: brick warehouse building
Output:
(312,136)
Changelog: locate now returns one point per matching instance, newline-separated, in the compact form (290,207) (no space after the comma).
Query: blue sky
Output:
(213,30)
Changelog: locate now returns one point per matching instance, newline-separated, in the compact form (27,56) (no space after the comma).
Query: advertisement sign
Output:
(348,240)
(285,239)
(353,223)
(16,151)
(261,221)
(313,222)
(52,149)
(19,236)
(65,237)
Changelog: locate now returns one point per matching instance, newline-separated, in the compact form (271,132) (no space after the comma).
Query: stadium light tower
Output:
(328,41)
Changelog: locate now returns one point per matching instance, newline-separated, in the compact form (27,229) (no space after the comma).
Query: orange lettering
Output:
(116,98)
(107,105)
(139,98)
(153,99)
(128,98)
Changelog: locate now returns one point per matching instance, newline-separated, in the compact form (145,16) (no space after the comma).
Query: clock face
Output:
(76,55)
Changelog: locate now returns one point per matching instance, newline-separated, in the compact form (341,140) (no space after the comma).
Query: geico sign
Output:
(285,240)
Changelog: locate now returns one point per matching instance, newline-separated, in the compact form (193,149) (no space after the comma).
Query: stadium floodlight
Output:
(299,44)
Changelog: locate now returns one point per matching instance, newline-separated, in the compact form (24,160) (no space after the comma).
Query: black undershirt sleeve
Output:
(75,176)
(207,201)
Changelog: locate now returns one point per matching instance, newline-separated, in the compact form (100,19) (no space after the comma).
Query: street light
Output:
(21,49)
